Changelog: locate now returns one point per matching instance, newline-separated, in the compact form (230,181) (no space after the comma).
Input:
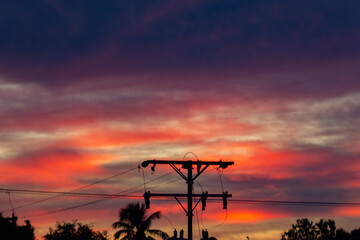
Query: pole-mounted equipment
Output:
(201,166)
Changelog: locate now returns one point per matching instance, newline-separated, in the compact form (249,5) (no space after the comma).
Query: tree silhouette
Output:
(341,234)
(326,229)
(74,231)
(136,225)
(9,229)
(323,230)
(302,230)
(355,234)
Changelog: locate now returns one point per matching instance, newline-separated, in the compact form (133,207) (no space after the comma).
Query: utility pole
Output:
(13,219)
(201,166)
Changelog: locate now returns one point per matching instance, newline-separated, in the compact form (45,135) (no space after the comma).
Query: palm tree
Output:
(136,225)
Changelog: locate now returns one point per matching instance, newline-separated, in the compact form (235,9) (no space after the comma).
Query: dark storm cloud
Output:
(56,42)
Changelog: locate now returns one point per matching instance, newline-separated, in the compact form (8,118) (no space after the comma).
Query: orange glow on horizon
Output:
(245,216)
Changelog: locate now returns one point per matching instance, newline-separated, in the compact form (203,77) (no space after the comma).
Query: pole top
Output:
(220,163)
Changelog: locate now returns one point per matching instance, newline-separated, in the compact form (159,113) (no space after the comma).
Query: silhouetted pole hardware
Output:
(13,219)
(201,166)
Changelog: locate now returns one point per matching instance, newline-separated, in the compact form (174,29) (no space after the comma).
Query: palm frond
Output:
(158,233)
(121,224)
(127,232)
(134,214)
(147,223)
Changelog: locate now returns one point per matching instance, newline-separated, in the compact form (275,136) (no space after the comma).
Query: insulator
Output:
(204,196)
(145,164)
(153,167)
(147,199)
(225,196)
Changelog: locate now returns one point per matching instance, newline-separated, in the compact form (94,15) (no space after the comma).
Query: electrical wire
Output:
(155,179)
(107,197)
(201,219)
(190,153)
(221,172)
(199,185)
(202,189)
(222,223)
(167,219)
(167,183)
(76,189)
(120,195)
(201,212)
(12,207)
(96,201)
(196,213)
(76,194)
(291,203)
(84,194)
(143,174)
(239,201)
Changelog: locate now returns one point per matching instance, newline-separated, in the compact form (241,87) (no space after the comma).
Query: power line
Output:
(158,185)
(85,194)
(82,194)
(96,201)
(141,185)
(119,196)
(77,189)
(89,195)
(77,194)
(300,203)
(106,197)
(12,207)
(220,173)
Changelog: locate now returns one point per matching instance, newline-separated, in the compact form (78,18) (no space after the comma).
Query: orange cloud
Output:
(51,167)
(244,215)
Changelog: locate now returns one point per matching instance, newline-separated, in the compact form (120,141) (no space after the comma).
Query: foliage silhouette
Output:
(136,225)
(74,231)
(9,229)
(302,230)
(323,230)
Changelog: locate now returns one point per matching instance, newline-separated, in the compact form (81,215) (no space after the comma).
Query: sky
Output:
(90,89)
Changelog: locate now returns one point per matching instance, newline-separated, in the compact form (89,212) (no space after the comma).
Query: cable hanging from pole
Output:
(221,172)
(143,174)
(12,207)
(13,217)
(196,212)
(192,154)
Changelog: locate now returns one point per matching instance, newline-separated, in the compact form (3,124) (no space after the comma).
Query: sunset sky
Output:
(90,89)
